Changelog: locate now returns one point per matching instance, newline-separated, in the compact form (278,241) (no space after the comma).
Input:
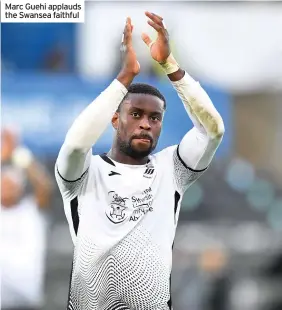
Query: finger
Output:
(126,35)
(161,18)
(128,20)
(157,27)
(153,14)
(124,29)
(155,18)
(146,39)
(127,40)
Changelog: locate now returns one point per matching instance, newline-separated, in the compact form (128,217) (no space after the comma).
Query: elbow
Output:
(218,130)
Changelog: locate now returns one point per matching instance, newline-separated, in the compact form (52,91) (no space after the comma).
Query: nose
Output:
(144,124)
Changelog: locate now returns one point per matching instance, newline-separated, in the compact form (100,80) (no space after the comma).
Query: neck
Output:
(122,158)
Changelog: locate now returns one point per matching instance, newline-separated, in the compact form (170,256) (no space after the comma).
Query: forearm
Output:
(41,183)
(94,119)
(75,155)
(177,75)
(199,106)
(38,177)
(199,145)
(196,101)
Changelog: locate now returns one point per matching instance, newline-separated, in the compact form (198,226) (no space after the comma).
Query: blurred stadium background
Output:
(228,247)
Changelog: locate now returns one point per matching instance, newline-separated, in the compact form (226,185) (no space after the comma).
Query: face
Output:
(9,143)
(138,124)
(11,191)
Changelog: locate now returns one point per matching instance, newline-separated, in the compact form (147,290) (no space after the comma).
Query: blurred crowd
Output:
(228,247)
(26,189)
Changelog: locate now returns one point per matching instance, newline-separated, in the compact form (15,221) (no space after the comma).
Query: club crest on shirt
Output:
(117,211)
(134,208)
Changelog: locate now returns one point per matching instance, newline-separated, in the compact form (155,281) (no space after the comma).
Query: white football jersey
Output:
(122,220)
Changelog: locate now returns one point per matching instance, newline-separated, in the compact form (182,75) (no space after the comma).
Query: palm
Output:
(132,60)
(160,50)
(160,47)
(129,58)
(135,63)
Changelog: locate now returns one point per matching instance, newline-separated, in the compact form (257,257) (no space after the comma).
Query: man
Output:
(23,226)
(123,207)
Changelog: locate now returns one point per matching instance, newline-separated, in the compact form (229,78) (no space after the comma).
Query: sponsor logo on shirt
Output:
(142,204)
(149,171)
(120,208)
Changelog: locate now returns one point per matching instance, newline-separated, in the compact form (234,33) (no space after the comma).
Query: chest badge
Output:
(117,208)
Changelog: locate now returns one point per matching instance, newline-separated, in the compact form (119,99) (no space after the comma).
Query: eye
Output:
(155,118)
(135,114)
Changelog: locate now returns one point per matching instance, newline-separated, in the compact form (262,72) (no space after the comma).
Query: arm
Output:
(41,183)
(75,155)
(38,177)
(198,146)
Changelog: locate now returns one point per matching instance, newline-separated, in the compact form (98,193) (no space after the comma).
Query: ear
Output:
(115,120)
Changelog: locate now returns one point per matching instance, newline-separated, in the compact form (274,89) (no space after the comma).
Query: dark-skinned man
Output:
(122,207)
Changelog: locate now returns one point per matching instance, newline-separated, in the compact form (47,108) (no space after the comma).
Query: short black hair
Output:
(146,89)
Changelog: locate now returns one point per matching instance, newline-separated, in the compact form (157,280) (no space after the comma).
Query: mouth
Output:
(143,140)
